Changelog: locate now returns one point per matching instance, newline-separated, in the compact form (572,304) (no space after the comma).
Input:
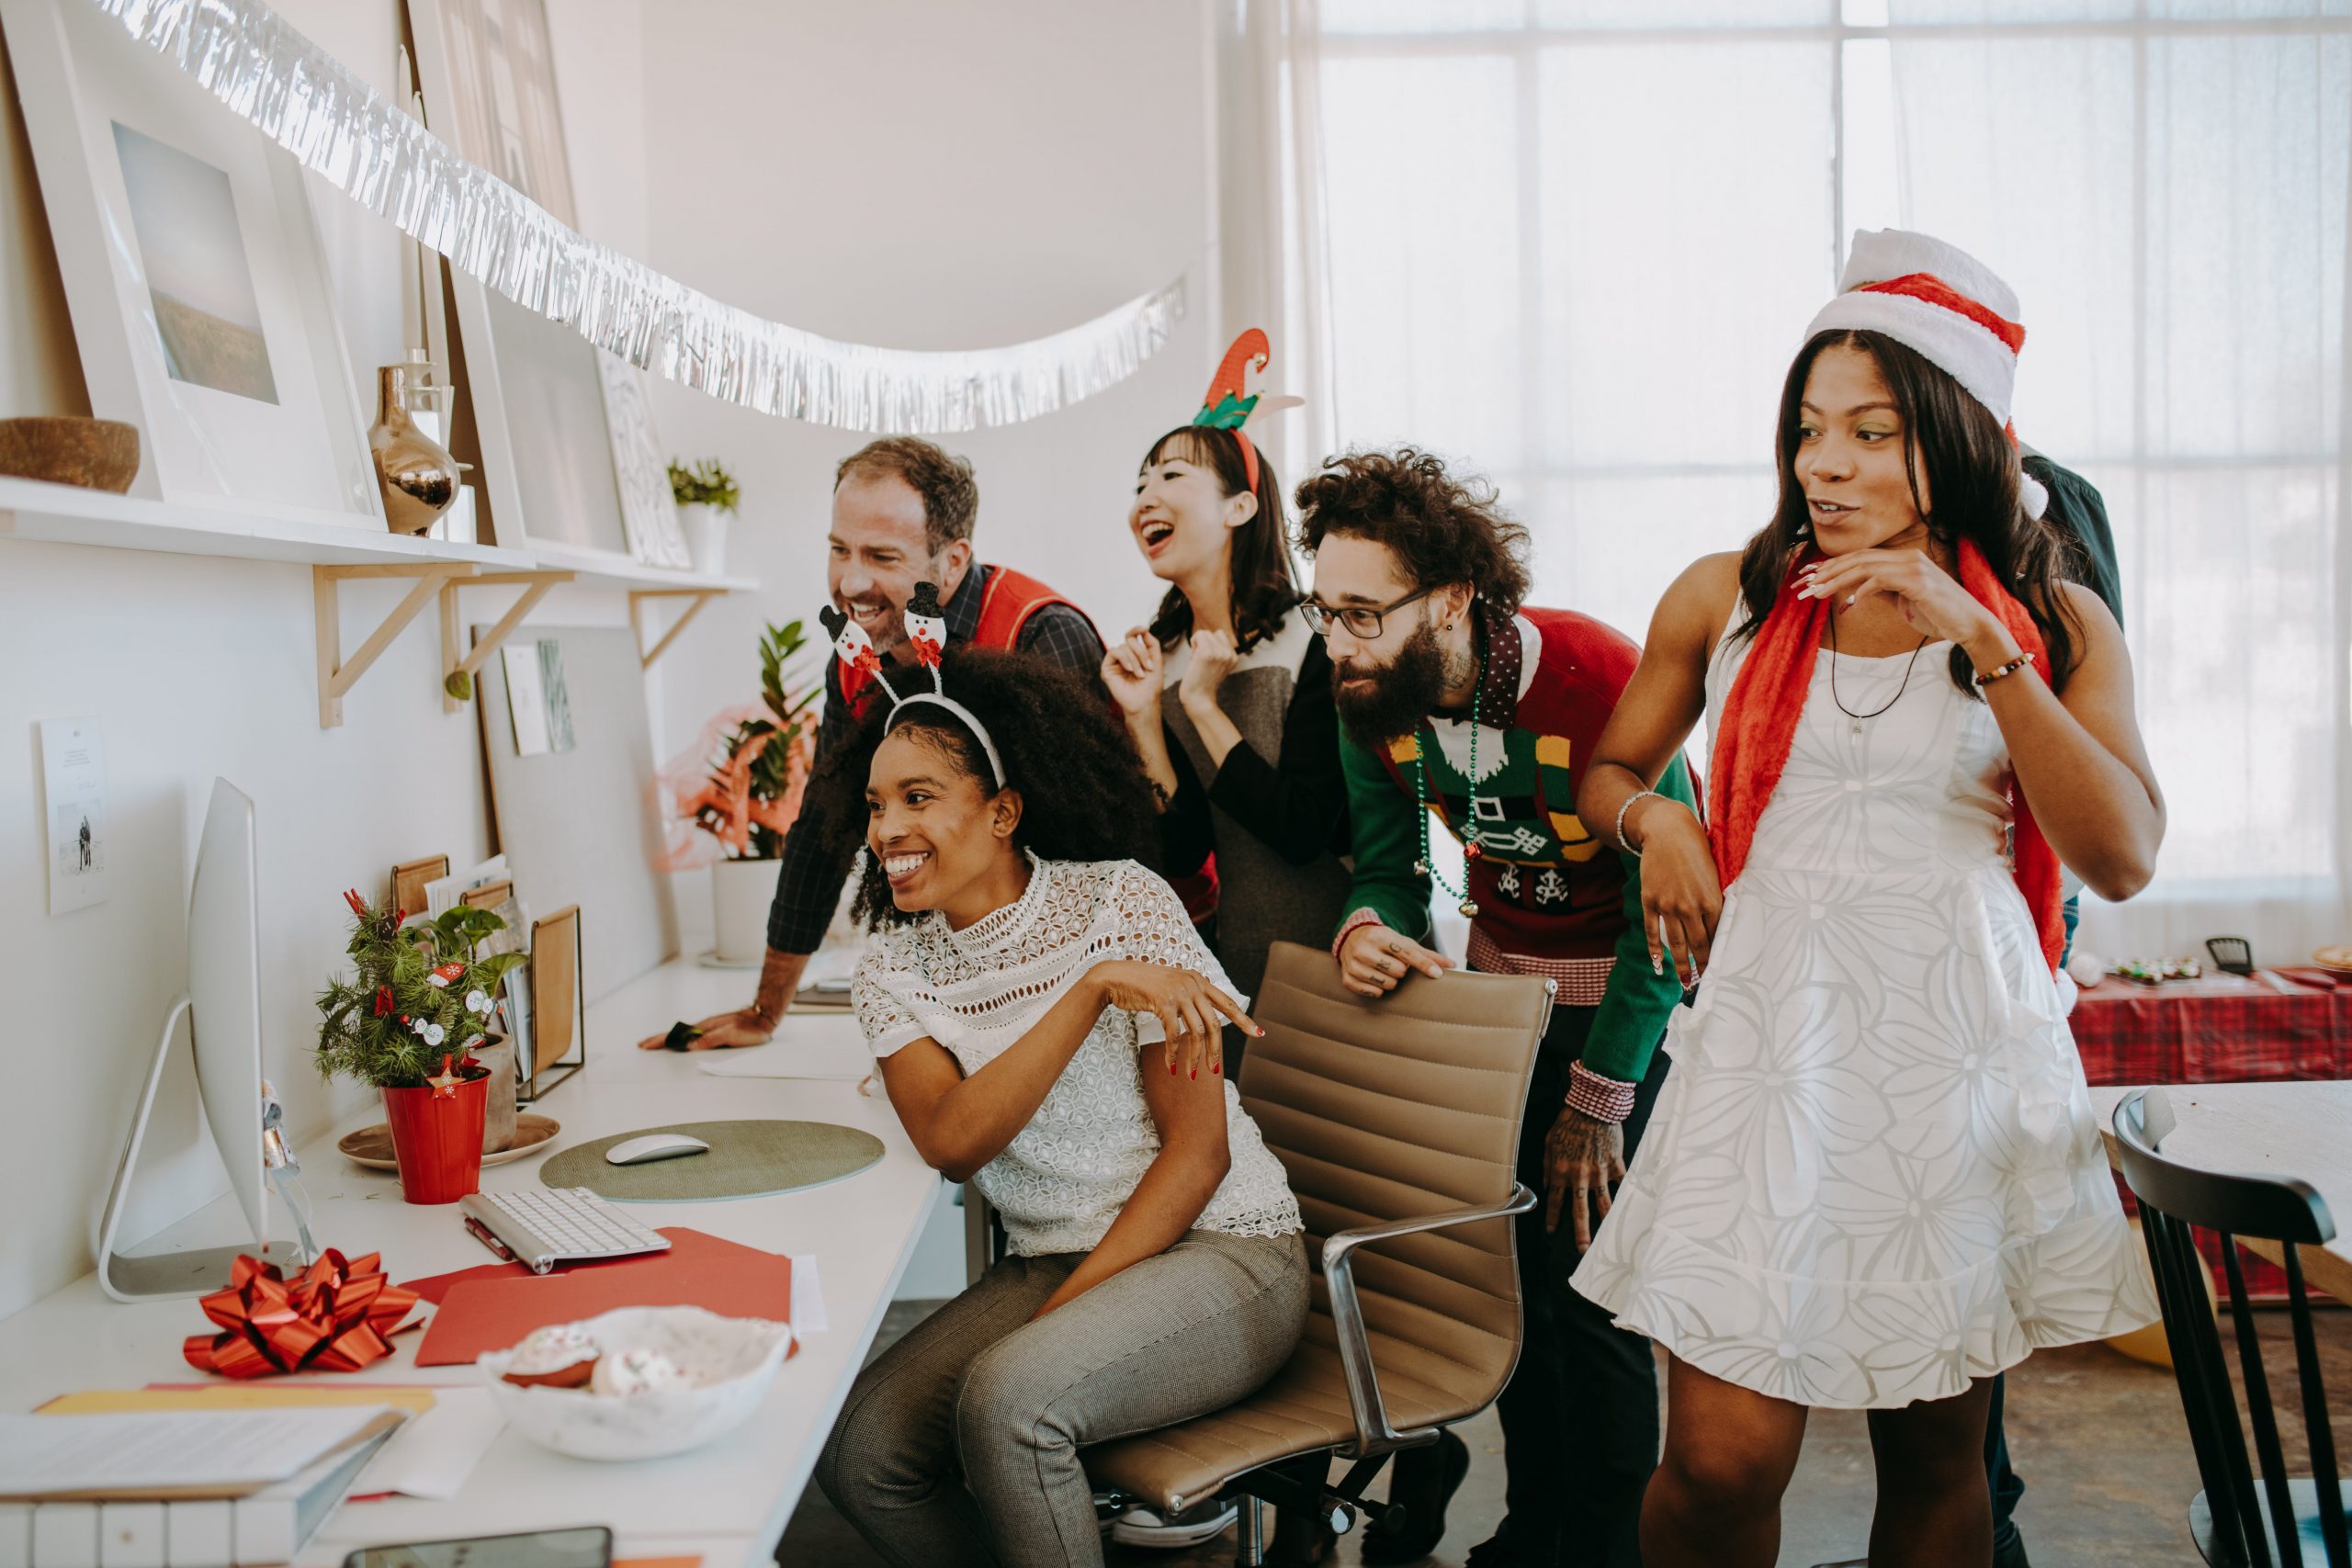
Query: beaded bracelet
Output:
(1986,677)
(1637,794)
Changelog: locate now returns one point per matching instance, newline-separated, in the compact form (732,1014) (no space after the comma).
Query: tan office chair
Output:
(1399,1123)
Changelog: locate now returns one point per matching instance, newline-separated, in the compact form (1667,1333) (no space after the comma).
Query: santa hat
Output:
(1946,306)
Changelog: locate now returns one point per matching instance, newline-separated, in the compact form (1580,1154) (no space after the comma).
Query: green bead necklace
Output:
(1470,850)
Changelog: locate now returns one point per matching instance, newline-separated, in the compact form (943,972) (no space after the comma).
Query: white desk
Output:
(729,1501)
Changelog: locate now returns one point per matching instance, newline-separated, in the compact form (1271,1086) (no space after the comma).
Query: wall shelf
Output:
(338,550)
(637,598)
(338,674)
(456,659)
(67,514)
(600,569)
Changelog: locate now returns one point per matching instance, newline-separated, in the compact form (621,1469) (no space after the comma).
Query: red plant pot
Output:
(438,1140)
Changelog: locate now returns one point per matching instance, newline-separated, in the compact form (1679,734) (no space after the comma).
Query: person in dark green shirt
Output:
(1462,704)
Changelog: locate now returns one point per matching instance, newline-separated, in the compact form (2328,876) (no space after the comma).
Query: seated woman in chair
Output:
(1047,1024)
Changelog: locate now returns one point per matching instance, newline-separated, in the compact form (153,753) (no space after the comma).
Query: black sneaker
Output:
(1419,1486)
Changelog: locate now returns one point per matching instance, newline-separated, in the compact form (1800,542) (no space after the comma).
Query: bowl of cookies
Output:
(637,1383)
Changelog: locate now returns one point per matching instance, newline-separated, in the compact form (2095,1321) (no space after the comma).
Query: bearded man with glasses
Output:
(1457,702)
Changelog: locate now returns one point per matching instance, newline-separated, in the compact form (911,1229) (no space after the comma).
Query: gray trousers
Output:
(959,1445)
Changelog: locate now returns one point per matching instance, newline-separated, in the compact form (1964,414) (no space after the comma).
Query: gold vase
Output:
(417,476)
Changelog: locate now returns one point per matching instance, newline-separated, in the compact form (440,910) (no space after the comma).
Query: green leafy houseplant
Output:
(419,995)
(704,484)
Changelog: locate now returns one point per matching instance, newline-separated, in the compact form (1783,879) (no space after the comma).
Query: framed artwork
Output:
(194,275)
(568,439)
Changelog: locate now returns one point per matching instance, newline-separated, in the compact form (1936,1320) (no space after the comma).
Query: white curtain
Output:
(1270,269)
(1572,244)
(2168,194)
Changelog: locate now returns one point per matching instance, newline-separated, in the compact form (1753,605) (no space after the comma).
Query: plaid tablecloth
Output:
(2219,1028)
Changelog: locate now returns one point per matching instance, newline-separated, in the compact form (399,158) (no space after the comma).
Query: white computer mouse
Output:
(653,1146)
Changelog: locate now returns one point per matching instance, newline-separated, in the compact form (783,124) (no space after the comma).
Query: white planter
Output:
(706,530)
(740,892)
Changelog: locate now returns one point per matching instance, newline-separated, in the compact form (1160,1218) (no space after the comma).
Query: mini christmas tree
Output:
(419,995)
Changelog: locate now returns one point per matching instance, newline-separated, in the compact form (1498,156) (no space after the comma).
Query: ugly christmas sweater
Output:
(1554,897)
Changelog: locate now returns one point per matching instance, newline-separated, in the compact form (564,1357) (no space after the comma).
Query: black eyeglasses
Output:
(1363,621)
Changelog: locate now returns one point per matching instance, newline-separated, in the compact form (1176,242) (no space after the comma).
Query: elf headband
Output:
(927,634)
(1230,403)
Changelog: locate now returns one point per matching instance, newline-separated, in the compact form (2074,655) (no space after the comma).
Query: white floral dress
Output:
(1065,1176)
(1874,1173)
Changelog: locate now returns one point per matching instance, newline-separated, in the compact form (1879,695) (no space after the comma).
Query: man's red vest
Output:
(1008,600)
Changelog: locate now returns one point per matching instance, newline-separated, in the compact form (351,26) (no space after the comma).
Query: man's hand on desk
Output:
(747,1026)
(754,1025)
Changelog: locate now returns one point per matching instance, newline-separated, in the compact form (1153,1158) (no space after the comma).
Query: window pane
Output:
(2020,152)
(1662,14)
(2228,575)
(1686,204)
(1916,12)
(2246,11)
(2171,210)
(1609,545)
(1420,16)
(1422,195)
(2245,244)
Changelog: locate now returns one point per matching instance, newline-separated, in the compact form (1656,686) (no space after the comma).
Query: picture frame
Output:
(194,275)
(555,1000)
(569,452)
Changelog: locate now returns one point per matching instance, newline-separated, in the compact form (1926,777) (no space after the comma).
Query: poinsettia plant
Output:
(749,794)
(419,995)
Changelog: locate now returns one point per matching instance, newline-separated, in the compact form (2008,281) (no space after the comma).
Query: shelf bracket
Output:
(700,596)
(338,674)
(457,659)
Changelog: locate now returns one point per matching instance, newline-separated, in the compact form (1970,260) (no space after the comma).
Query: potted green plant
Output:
(706,496)
(741,784)
(414,1020)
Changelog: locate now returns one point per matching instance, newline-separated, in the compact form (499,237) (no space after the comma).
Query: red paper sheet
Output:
(493,1306)
(684,1243)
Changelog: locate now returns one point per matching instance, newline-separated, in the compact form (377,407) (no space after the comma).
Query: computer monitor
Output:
(223,1002)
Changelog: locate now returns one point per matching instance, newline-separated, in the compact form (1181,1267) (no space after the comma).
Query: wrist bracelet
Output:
(1986,677)
(1637,794)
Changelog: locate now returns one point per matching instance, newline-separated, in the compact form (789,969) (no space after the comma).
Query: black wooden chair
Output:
(2302,1515)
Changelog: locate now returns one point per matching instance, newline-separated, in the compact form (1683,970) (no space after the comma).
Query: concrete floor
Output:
(2098,1438)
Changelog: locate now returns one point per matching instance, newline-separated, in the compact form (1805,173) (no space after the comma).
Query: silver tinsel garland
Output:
(322,112)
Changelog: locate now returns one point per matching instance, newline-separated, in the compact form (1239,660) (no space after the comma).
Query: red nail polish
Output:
(1217,1066)
(1171,1069)
(1196,1074)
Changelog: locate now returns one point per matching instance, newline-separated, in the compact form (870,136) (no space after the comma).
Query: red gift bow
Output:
(336,1316)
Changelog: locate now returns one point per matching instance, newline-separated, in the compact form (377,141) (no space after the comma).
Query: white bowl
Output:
(731,1360)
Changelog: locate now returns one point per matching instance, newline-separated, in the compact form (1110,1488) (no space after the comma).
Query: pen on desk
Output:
(482,1233)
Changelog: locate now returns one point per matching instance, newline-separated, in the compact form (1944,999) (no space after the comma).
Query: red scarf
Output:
(1760,722)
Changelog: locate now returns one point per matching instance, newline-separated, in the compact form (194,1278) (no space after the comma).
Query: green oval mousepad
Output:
(747,1159)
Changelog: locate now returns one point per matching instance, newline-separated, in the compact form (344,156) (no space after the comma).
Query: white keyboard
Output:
(547,1225)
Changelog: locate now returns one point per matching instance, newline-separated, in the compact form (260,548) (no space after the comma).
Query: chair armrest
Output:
(1374,1434)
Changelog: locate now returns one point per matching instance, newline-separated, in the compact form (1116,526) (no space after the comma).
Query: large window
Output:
(1573,245)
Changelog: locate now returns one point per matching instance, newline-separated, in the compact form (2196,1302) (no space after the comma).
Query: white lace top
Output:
(1063,1177)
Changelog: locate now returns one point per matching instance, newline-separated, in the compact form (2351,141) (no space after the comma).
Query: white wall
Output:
(925,175)
(198,667)
(922,175)
(929,176)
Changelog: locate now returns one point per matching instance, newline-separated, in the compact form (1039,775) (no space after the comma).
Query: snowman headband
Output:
(927,634)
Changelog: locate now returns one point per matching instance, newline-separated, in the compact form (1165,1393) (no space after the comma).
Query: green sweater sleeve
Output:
(1387,845)
(1632,1017)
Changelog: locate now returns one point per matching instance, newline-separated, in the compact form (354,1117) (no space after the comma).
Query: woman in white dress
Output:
(1874,1179)
(1047,1024)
